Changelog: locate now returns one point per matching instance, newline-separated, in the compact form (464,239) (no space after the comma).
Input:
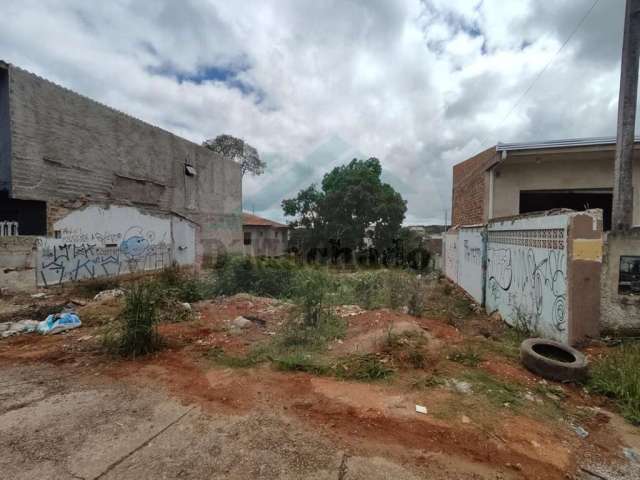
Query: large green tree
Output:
(351,205)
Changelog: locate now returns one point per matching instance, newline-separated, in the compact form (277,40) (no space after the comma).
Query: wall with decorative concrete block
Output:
(541,272)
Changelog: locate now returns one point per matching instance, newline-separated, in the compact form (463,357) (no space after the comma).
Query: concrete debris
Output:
(631,455)
(581,432)
(460,386)
(39,295)
(241,322)
(421,409)
(8,329)
(344,311)
(107,294)
(257,320)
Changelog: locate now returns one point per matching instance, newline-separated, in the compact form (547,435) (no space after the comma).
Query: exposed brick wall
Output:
(469,188)
(69,151)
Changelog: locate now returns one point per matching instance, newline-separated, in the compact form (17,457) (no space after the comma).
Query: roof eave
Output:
(565,143)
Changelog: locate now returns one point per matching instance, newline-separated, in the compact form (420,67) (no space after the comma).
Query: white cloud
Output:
(420,85)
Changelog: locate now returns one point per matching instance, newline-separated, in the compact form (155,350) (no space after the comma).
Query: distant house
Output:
(263,237)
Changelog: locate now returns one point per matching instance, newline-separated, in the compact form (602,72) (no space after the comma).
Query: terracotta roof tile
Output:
(255,221)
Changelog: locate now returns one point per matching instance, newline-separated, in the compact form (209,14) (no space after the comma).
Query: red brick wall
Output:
(469,188)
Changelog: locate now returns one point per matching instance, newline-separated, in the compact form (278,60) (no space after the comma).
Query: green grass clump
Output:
(253,358)
(300,362)
(416,302)
(364,367)
(136,332)
(469,357)
(426,382)
(496,391)
(617,376)
(405,347)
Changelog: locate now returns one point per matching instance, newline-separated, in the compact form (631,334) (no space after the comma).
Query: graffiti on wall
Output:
(62,261)
(526,279)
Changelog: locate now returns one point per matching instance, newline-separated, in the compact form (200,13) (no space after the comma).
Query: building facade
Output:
(519,178)
(510,181)
(102,192)
(263,237)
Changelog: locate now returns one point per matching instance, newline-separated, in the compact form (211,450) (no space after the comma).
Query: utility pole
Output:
(622,215)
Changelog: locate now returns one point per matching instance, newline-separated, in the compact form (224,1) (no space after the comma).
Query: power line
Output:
(546,67)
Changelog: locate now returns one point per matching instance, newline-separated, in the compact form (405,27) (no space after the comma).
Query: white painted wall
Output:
(450,242)
(470,250)
(526,273)
(184,241)
(106,226)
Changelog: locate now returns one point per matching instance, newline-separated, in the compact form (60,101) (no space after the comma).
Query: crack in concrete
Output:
(142,445)
(342,470)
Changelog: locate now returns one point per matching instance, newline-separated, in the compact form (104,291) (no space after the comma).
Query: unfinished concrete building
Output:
(87,191)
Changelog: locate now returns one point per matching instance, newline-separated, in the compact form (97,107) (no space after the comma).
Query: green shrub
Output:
(364,367)
(396,286)
(405,347)
(416,297)
(136,332)
(367,289)
(617,375)
(265,277)
(468,357)
(311,293)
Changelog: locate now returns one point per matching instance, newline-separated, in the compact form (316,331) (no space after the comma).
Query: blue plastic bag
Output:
(58,323)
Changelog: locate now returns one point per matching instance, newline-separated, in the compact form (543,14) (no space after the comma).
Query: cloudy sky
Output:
(421,85)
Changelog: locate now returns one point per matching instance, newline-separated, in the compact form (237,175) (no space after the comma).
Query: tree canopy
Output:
(239,151)
(351,205)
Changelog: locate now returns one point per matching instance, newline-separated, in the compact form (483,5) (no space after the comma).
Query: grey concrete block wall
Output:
(66,147)
(620,312)
(18,262)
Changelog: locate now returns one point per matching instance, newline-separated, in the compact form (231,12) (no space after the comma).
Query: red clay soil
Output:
(370,419)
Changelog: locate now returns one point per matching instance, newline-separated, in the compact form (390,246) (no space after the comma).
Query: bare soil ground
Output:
(70,410)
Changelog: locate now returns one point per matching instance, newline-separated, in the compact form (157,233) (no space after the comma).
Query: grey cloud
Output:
(419,85)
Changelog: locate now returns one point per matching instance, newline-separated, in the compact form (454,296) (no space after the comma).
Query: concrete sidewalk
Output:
(54,426)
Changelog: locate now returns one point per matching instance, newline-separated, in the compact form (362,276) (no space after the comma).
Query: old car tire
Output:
(553,360)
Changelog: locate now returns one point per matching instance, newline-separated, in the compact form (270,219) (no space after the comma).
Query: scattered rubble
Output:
(106,294)
(241,322)
(581,432)
(344,311)
(460,386)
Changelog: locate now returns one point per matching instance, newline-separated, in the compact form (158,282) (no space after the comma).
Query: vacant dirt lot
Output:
(70,410)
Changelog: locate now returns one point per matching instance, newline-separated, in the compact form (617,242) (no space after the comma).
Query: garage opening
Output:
(31,215)
(576,199)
